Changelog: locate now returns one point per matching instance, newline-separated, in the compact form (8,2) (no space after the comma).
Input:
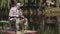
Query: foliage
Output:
(5,6)
(7,3)
(52,11)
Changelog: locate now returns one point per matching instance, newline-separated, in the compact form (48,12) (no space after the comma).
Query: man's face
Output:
(18,7)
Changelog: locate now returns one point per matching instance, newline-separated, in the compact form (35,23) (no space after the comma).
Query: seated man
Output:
(15,14)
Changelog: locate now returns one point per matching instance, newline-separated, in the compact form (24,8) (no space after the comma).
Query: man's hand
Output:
(17,15)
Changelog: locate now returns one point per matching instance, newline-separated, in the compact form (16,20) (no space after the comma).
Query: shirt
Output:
(15,12)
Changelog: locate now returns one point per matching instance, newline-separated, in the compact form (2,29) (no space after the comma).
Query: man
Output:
(16,14)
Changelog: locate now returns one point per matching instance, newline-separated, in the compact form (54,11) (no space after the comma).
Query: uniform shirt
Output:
(15,12)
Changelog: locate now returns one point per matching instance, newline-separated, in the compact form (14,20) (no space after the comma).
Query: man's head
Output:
(18,5)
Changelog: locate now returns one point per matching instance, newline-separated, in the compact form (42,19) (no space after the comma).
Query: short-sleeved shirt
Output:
(15,12)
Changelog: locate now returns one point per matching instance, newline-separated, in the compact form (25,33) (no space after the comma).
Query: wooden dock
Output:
(19,32)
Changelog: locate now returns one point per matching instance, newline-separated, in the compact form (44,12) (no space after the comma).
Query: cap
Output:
(18,4)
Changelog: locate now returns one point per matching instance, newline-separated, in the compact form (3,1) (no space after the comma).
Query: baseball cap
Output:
(18,4)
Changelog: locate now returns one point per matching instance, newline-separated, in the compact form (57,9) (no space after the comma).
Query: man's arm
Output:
(21,15)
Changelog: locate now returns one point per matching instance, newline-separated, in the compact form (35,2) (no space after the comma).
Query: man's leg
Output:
(17,26)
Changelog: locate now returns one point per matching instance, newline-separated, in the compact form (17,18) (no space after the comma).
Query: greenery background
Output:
(36,16)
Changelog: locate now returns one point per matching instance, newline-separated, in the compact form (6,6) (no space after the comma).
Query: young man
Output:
(16,14)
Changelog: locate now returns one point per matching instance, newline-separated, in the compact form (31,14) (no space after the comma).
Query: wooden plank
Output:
(19,32)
